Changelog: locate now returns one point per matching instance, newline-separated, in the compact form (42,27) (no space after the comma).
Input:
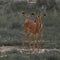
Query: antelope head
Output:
(26,15)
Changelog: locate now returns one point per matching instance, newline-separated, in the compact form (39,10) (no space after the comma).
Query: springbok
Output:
(33,28)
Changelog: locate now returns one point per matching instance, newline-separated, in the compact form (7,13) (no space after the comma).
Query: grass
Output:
(14,55)
(11,25)
(11,32)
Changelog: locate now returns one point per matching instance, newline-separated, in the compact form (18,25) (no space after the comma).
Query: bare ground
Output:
(17,48)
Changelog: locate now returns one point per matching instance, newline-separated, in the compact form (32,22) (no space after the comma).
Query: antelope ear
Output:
(38,16)
(32,14)
(23,12)
(44,14)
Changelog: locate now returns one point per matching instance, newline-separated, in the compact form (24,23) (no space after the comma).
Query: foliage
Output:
(11,24)
(52,55)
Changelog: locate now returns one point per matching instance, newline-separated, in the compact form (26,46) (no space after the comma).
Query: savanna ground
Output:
(11,32)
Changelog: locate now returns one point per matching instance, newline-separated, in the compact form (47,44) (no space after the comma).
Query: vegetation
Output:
(11,30)
(12,20)
(14,55)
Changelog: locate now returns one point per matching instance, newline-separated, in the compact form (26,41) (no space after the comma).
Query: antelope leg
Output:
(23,40)
(30,39)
